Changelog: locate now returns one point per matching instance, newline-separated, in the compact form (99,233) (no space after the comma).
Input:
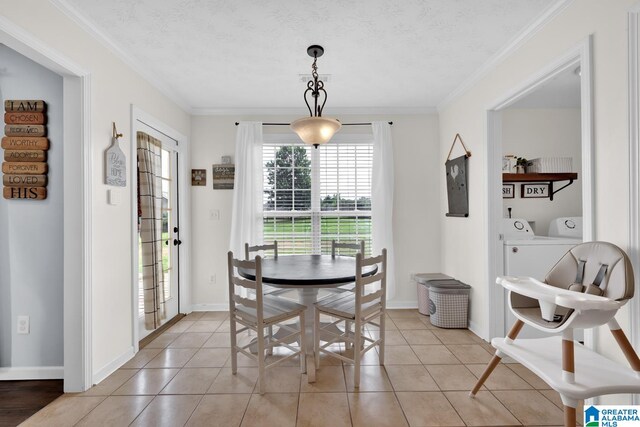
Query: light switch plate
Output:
(23,325)
(113,197)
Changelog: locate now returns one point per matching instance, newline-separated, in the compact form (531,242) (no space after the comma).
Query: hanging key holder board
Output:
(115,163)
(457,190)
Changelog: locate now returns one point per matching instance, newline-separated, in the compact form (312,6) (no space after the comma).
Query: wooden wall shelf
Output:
(549,178)
(538,177)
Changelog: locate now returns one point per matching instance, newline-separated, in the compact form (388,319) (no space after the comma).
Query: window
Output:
(313,196)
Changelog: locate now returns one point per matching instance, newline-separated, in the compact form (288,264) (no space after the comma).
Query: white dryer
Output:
(526,254)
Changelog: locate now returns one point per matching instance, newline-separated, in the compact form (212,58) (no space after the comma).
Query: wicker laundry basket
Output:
(423,281)
(449,304)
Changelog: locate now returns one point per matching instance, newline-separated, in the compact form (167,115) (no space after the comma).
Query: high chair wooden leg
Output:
(569,416)
(513,333)
(625,345)
(568,359)
(490,367)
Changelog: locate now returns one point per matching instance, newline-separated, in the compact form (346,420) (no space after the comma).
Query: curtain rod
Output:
(343,124)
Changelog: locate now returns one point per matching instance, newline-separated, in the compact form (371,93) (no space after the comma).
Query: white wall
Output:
(114,87)
(532,133)
(465,239)
(31,243)
(416,225)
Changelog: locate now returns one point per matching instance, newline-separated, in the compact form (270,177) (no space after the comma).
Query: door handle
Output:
(177,242)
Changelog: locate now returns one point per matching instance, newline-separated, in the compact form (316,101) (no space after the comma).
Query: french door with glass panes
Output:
(170,233)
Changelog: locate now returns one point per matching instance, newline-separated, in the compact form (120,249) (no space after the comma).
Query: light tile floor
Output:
(184,378)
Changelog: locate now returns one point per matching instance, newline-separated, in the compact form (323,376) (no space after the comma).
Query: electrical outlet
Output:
(212,279)
(23,325)
(214,215)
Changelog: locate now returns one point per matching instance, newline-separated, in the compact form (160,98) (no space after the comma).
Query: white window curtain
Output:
(382,199)
(150,200)
(246,217)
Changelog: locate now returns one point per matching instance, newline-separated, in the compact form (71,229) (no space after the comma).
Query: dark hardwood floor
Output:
(21,399)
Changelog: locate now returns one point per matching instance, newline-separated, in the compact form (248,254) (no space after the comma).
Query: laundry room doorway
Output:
(541,127)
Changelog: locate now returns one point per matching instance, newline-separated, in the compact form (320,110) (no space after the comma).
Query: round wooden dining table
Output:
(307,274)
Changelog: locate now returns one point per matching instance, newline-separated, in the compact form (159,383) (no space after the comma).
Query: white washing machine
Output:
(526,254)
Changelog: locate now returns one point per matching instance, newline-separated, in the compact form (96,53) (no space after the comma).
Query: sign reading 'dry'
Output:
(25,148)
(534,191)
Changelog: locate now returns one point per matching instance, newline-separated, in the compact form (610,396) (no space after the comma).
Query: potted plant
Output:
(521,165)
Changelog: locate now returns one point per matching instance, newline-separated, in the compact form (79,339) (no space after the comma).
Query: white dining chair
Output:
(364,304)
(258,313)
(354,248)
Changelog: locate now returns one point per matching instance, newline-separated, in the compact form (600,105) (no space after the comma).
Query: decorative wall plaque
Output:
(115,168)
(223,176)
(25,150)
(198,177)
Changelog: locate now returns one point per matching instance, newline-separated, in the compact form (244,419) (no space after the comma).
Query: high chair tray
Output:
(595,375)
(535,289)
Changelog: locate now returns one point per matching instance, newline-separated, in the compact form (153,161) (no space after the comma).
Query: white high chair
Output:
(583,290)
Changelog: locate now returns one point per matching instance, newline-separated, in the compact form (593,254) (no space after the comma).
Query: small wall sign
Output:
(223,176)
(198,177)
(115,168)
(508,191)
(534,191)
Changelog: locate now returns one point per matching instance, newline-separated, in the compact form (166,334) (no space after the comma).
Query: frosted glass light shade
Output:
(316,130)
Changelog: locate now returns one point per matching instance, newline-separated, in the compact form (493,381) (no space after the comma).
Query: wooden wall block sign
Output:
(25,130)
(25,155)
(32,105)
(18,168)
(25,143)
(30,193)
(25,118)
(24,180)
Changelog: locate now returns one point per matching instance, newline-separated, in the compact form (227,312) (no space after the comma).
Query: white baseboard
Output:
(402,304)
(210,307)
(473,327)
(112,366)
(32,373)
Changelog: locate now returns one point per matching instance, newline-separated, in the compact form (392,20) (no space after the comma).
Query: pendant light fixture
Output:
(315,129)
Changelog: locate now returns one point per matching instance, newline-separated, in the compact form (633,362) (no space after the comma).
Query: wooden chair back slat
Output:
(257,248)
(355,246)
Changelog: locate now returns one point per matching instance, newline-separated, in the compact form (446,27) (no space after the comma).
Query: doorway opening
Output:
(505,118)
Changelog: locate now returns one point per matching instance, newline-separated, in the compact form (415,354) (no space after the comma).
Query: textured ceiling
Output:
(229,54)
(563,91)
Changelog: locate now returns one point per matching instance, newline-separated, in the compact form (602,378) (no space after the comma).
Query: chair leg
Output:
(303,345)
(381,337)
(347,331)
(261,356)
(568,359)
(269,338)
(356,354)
(569,416)
(234,345)
(316,337)
(513,333)
(625,345)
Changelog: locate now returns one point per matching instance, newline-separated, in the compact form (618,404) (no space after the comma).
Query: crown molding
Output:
(90,27)
(524,36)
(347,111)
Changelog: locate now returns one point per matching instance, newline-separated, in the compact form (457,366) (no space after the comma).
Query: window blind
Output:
(313,196)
